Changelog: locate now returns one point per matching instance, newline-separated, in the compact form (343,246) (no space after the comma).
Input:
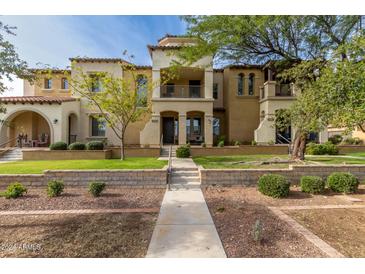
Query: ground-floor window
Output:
(98,127)
(216,126)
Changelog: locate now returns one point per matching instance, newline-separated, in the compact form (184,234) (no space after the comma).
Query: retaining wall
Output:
(148,178)
(35,155)
(249,177)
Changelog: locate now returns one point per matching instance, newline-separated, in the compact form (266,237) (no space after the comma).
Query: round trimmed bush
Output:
(58,146)
(76,146)
(274,185)
(335,139)
(95,188)
(322,149)
(343,182)
(312,184)
(220,144)
(55,188)
(183,151)
(14,190)
(95,145)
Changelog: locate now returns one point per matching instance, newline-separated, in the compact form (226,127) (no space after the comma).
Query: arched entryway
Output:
(169,127)
(35,129)
(195,127)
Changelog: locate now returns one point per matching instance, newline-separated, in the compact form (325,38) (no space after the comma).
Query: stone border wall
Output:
(239,150)
(144,178)
(249,177)
(342,149)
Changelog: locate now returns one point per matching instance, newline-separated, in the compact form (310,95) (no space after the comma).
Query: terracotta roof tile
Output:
(36,99)
(107,60)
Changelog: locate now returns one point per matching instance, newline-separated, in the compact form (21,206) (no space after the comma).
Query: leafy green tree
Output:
(10,63)
(118,101)
(299,45)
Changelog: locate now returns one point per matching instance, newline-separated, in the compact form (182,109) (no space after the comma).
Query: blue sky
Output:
(52,40)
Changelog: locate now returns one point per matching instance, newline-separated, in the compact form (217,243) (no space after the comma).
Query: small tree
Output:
(10,64)
(120,101)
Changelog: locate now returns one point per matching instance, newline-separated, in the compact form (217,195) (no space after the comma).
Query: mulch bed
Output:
(235,213)
(99,235)
(79,198)
(343,229)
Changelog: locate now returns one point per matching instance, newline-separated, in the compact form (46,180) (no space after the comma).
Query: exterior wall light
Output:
(55,121)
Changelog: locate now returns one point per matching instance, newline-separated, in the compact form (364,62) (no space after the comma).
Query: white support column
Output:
(208,83)
(208,129)
(156,83)
(182,128)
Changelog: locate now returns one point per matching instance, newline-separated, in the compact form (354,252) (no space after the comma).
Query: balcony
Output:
(271,89)
(182,91)
(283,90)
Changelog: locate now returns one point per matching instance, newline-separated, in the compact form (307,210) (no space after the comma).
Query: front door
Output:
(168,131)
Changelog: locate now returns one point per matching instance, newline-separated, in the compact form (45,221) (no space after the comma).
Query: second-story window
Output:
(142,90)
(96,85)
(48,83)
(251,83)
(240,84)
(64,83)
(215,91)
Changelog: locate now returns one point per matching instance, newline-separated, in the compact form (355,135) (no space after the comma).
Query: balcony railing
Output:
(182,91)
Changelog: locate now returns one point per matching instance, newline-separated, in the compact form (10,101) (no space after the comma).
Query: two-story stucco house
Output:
(237,101)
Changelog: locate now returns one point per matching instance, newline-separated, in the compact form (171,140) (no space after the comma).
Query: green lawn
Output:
(37,167)
(357,154)
(336,160)
(253,161)
(239,161)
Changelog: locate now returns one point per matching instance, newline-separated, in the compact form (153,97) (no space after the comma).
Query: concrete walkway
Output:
(184,227)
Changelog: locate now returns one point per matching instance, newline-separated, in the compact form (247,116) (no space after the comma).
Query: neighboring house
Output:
(238,102)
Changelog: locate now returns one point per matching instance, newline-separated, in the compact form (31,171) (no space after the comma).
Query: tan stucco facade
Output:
(183,109)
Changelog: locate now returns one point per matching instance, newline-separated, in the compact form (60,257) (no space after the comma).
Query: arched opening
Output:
(72,128)
(32,126)
(169,127)
(195,127)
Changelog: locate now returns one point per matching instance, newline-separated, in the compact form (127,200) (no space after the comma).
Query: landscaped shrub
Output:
(58,146)
(183,151)
(312,184)
(76,146)
(237,143)
(220,144)
(274,185)
(322,149)
(253,143)
(95,145)
(95,188)
(55,188)
(352,141)
(14,190)
(343,182)
(335,139)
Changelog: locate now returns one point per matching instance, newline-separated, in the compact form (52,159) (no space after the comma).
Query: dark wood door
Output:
(168,130)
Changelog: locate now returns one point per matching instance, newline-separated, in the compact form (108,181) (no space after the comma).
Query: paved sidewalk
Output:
(184,227)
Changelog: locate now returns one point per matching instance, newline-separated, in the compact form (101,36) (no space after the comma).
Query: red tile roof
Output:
(36,99)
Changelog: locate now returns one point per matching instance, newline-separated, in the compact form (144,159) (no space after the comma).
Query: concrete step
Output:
(185,180)
(175,169)
(184,186)
(185,173)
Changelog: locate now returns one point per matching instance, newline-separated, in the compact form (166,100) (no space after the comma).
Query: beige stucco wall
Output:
(37,88)
(242,112)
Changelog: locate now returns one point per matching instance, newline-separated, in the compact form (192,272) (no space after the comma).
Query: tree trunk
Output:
(299,146)
(122,152)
